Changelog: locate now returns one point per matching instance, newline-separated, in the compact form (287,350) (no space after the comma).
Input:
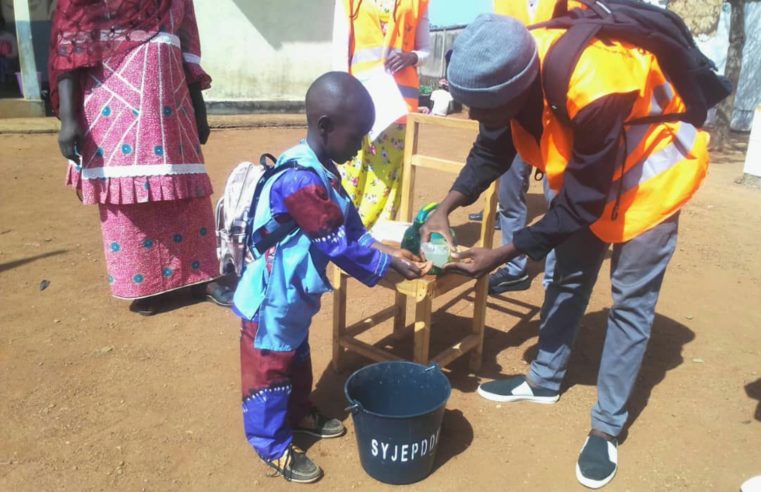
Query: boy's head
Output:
(340,113)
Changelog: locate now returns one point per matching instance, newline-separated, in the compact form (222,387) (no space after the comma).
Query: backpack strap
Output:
(273,231)
(560,63)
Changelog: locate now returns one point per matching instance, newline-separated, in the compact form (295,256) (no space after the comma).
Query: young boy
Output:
(280,291)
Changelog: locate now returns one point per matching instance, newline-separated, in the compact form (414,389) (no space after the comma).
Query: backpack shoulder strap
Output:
(560,62)
(273,232)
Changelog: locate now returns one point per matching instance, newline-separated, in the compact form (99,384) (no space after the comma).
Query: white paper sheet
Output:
(388,100)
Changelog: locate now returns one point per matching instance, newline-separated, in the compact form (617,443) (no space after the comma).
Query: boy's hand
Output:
(406,268)
(405,254)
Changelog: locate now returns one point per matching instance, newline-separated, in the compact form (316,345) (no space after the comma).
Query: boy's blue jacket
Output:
(285,297)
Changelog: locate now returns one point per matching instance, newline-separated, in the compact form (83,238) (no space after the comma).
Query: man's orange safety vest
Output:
(665,163)
(369,47)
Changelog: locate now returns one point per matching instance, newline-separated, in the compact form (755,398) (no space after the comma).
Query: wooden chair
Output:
(424,290)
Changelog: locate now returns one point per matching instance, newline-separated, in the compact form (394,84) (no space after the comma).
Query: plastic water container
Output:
(436,250)
(397,408)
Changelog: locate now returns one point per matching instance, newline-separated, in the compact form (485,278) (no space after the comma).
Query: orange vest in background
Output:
(520,10)
(665,163)
(369,47)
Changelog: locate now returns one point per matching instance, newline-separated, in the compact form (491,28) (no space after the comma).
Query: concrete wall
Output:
(263,54)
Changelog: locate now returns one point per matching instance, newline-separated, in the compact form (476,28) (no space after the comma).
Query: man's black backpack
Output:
(659,31)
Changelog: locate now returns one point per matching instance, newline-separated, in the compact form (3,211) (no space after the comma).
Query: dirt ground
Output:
(93,397)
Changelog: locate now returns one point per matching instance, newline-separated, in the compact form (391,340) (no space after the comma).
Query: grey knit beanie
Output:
(493,60)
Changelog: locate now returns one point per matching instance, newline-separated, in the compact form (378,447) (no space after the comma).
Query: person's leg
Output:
(578,262)
(303,416)
(637,271)
(513,186)
(266,390)
(268,384)
(549,260)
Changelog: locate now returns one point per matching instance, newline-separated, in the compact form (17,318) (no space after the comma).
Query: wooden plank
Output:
(423,329)
(447,282)
(446,357)
(339,315)
(437,164)
(366,350)
(371,321)
(490,214)
(400,318)
(479,321)
(457,123)
(408,171)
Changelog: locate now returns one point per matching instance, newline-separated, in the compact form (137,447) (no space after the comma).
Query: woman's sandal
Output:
(146,306)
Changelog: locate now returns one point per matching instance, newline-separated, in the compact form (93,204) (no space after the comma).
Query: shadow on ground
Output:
(10,265)
(754,391)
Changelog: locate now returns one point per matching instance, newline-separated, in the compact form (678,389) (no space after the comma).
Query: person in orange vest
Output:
(514,184)
(368,35)
(619,184)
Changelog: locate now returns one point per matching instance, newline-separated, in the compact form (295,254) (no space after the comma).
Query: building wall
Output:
(261,52)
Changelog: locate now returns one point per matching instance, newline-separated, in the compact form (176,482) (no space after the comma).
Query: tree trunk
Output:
(732,72)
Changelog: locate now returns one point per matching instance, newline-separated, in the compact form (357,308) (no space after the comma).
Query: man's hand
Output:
(438,221)
(400,61)
(70,138)
(477,262)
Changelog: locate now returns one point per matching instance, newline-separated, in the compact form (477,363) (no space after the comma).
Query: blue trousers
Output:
(637,270)
(513,211)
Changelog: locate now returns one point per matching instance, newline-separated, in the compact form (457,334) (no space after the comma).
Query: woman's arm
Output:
(70,135)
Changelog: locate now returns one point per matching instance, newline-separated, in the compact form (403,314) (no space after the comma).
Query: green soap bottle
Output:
(411,238)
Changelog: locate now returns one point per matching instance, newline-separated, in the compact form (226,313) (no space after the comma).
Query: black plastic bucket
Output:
(397,409)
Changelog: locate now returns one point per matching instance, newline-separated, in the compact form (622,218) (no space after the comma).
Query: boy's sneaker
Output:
(598,462)
(318,425)
(516,388)
(503,281)
(294,466)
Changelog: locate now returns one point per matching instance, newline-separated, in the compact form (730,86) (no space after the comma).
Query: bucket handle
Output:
(354,408)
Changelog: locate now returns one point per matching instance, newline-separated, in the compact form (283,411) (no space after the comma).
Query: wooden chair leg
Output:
(339,316)
(423,311)
(400,318)
(479,321)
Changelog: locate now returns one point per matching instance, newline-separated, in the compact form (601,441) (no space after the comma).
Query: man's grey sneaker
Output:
(321,426)
(516,389)
(503,281)
(597,463)
(294,466)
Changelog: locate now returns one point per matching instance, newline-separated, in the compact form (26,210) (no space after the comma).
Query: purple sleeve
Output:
(301,195)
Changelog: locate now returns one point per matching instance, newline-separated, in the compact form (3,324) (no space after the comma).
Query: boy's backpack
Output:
(235,212)
(657,30)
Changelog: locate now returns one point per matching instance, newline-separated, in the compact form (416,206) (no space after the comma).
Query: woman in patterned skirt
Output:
(126,83)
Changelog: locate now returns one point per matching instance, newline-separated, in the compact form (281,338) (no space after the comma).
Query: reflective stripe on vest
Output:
(370,48)
(665,163)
